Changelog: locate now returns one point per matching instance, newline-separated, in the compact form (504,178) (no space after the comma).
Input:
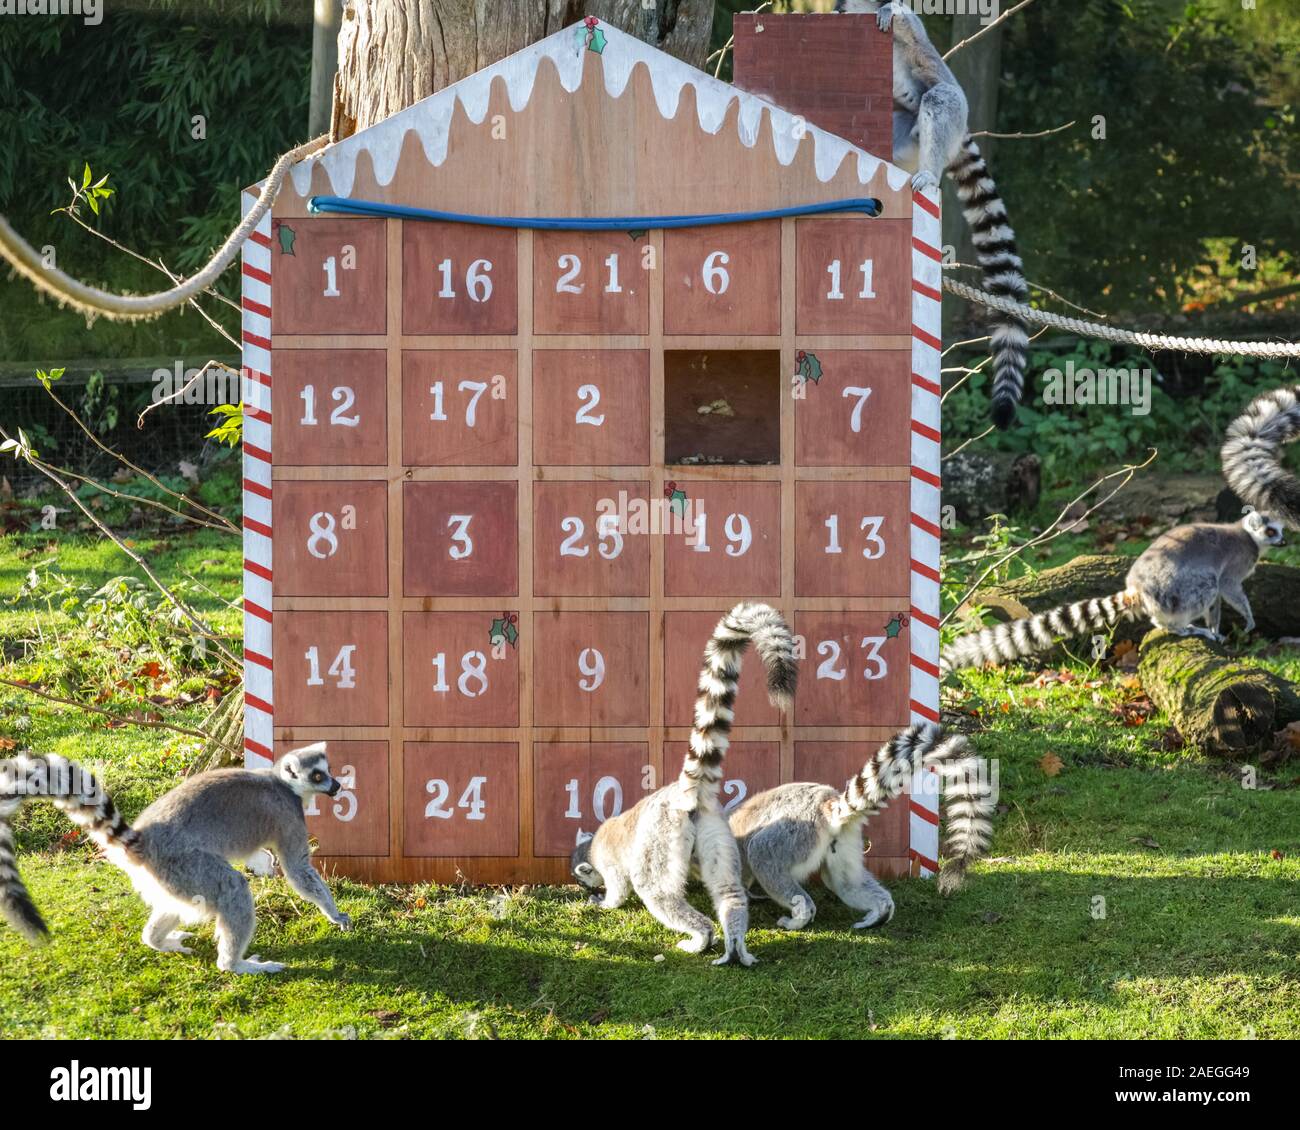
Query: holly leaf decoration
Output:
(635,235)
(677,502)
(287,236)
(596,41)
(503,629)
(893,628)
(810,368)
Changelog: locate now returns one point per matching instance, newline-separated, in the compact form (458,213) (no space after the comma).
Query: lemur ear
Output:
(309,750)
(583,869)
(290,765)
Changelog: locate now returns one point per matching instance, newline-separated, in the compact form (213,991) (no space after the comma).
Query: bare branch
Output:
(220,519)
(189,614)
(1052,531)
(986,28)
(1015,136)
(159,725)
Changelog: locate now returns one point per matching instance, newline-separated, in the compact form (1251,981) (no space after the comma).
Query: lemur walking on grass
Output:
(650,849)
(792,832)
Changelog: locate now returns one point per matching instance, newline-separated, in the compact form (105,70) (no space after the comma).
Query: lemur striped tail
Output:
(968,794)
(1030,635)
(995,247)
(771,637)
(1252,461)
(69,788)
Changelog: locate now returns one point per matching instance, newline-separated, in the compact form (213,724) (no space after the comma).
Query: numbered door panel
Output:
(685,634)
(723,280)
(750,768)
(460,408)
(591,408)
(330,407)
(577,786)
(852,408)
(355,822)
(852,539)
(589,283)
(856,670)
(331,538)
(460,539)
(330,276)
(331,668)
(459,279)
(854,276)
(461,799)
(834,764)
(729,541)
(591,539)
(591,669)
(461,668)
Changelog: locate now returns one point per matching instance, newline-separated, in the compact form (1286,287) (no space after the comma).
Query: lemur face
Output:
(1265,530)
(583,871)
(307,771)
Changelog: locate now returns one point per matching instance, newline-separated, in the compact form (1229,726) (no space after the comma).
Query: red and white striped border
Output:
(256,302)
(927,348)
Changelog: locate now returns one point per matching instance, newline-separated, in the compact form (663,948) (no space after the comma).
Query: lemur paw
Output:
(878,915)
(343,922)
(743,956)
(697,943)
(924,179)
(801,913)
(884,17)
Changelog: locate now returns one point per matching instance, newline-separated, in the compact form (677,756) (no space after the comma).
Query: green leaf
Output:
(85,177)
(94,204)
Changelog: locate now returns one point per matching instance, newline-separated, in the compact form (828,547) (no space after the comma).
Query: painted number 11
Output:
(835,293)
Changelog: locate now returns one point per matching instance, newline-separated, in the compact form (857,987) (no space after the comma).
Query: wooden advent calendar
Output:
(500,482)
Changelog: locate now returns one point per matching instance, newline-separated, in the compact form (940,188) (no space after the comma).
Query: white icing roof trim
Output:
(431,117)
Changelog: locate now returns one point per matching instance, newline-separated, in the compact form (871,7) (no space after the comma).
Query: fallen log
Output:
(1274,593)
(1224,706)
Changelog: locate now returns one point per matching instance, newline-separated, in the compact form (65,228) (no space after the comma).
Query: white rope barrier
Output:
(127,307)
(1127,337)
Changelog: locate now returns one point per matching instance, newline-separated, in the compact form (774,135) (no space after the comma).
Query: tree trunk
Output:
(327,18)
(978,68)
(1224,707)
(392,55)
(1272,591)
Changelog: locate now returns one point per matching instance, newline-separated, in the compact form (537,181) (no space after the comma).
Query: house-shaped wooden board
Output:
(501,482)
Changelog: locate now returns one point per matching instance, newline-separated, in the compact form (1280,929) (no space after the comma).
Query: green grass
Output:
(1195,934)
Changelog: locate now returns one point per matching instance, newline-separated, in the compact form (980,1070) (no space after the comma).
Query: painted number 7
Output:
(855,419)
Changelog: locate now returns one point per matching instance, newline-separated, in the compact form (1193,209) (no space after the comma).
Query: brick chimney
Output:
(834,71)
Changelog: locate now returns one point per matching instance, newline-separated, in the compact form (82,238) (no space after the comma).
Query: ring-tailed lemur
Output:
(1252,461)
(793,831)
(1184,575)
(176,854)
(651,847)
(930,136)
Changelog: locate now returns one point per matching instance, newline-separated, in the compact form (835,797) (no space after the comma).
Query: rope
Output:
(127,307)
(1127,337)
(348,206)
